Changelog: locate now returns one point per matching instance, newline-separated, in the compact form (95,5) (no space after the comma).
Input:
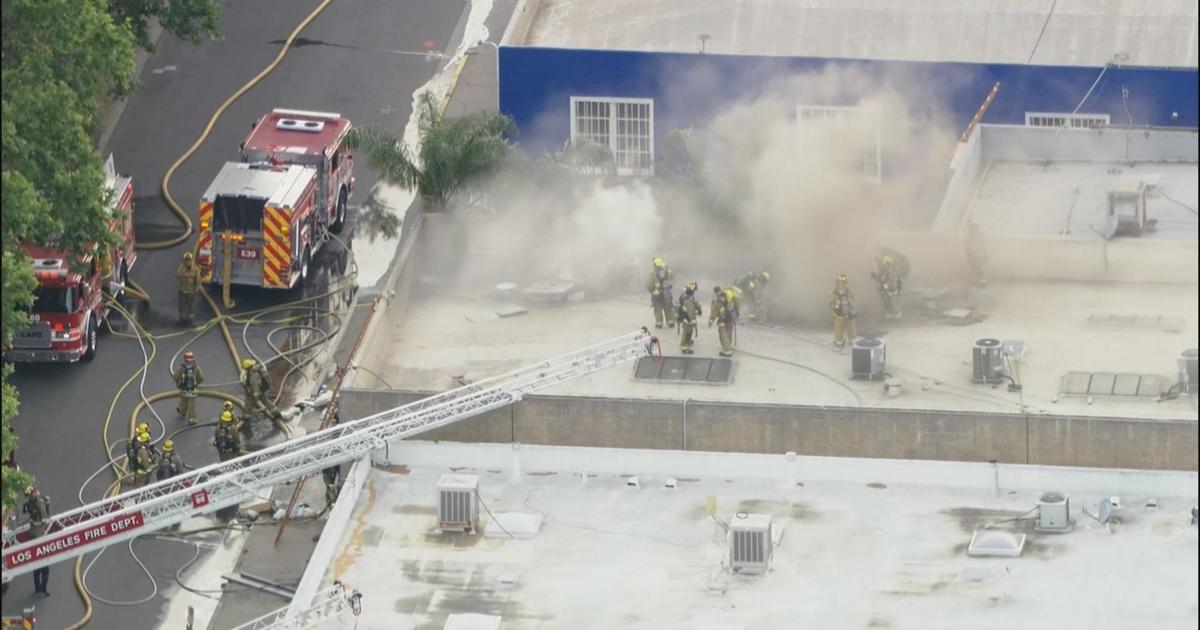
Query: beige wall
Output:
(820,431)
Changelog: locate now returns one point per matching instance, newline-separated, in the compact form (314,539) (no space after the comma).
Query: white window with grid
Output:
(1072,121)
(866,117)
(624,125)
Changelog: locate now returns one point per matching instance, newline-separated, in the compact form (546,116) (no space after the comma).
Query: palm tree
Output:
(453,152)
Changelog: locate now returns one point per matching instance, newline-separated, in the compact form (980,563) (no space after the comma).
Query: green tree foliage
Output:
(69,43)
(454,151)
(14,481)
(61,58)
(189,20)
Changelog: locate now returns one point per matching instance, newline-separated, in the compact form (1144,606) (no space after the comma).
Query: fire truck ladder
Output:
(224,484)
(327,604)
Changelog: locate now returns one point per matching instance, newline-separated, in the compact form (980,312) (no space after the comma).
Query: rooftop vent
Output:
(750,548)
(1187,370)
(1054,512)
(986,542)
(295,124)
(987,361)
(867,358)
(458,503)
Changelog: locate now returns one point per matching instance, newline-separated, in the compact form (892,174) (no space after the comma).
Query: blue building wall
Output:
(536,85)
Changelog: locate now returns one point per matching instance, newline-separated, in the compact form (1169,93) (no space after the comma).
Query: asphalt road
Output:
(341,64)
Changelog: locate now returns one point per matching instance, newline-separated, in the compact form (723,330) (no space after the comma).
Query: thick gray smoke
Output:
(801,203)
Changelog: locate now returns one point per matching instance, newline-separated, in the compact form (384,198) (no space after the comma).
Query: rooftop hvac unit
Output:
(867,355)
(1187,370)
(750,547)
(458,503)
(295,124)
(987,361)
(1054,512)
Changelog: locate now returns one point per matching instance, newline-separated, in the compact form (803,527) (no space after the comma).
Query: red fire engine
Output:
(68,305)
(262,220)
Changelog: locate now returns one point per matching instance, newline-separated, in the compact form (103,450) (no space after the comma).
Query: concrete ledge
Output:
(1056,258)
(522,19)
(816,431)
(331,537)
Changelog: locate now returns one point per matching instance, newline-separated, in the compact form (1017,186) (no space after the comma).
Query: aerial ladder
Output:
(172,501)
(327,605)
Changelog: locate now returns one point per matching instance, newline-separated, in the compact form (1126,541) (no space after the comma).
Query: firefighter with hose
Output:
(256,385)
(227,438)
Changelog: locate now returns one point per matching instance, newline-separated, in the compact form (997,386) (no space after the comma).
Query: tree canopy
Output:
(453,151)
(61,60)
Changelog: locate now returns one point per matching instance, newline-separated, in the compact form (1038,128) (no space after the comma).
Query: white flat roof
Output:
(1076,32)
(443,337)
(858,544)
(1033,198)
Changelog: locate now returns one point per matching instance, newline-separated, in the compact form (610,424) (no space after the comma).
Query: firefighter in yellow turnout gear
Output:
(659,286)
(688,315)
(227,438)
(841,302)
(749,289)
(188,378)
(188,275)
(144,459)
(890,280)
(723,312)
(256,386)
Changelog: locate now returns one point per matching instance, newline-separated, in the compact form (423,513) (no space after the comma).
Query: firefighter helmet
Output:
(143,437)
(30,489)
(247,363)
(730,295)
(142,427)
(842,279)
(691,287)
(765,275)
(187,257)
(226,416)
(227,406)
(168,445)
(658,263)
(886,261)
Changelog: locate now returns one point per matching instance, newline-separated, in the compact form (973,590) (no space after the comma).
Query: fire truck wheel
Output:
(90,353)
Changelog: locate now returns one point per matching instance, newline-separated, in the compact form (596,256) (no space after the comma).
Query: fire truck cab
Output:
(273,211)
(68,302)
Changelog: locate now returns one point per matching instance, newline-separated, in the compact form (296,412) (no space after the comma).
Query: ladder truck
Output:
(169,502)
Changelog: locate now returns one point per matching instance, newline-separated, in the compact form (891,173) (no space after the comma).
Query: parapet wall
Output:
(813,430)
(1053,258)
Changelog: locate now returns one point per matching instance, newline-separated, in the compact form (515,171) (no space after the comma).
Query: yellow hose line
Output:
(212,121)
(187,222)
(221,317)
